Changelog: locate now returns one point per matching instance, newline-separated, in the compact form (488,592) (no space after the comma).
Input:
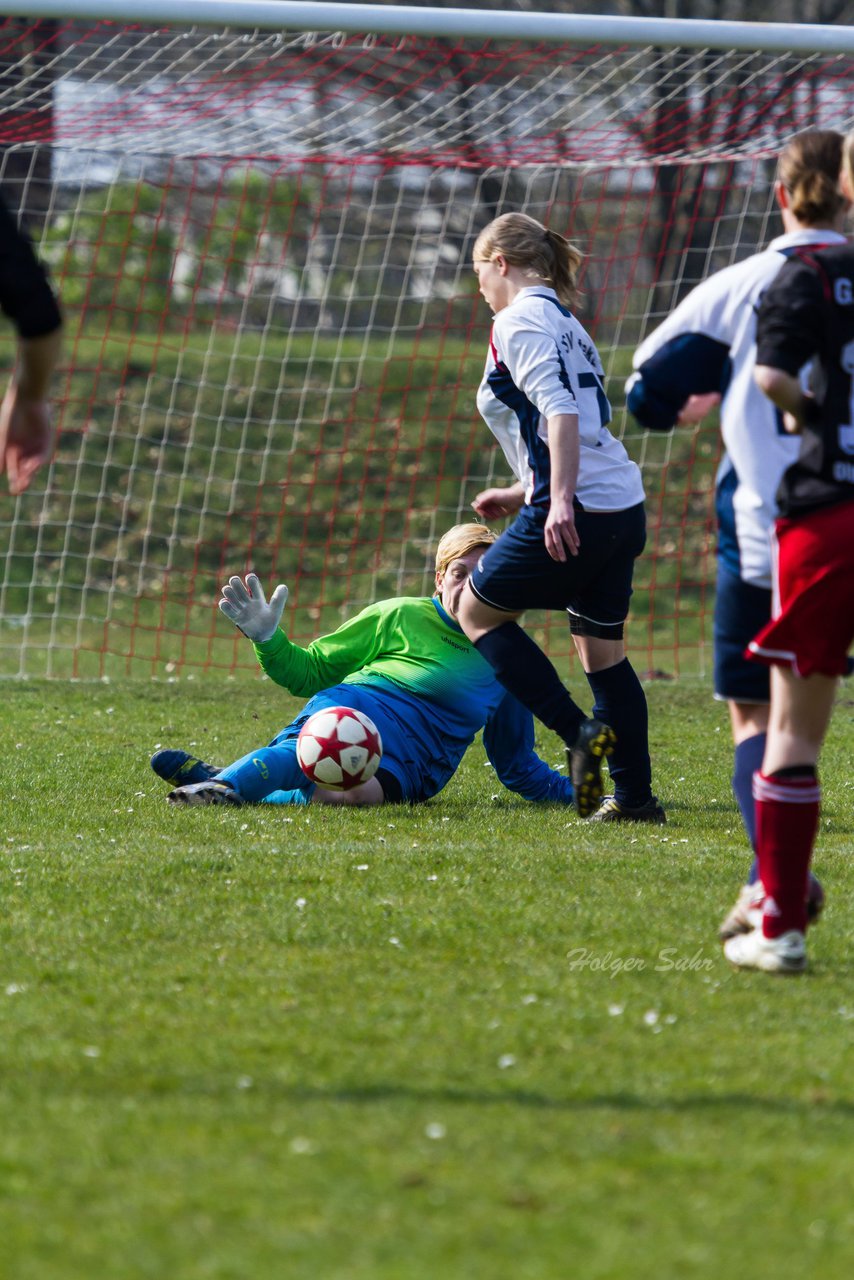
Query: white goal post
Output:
(259,216)
(375,19)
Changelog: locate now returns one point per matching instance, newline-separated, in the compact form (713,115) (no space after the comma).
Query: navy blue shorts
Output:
(741,610)
(517,573)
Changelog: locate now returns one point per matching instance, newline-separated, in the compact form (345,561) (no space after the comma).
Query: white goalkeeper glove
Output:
(248,608)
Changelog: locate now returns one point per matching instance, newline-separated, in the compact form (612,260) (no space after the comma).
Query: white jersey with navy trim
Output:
(709,344)
(542,362)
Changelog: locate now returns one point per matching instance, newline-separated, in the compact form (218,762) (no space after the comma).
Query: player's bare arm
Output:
(560,533)
(492,504)
(786,393)
(26,429)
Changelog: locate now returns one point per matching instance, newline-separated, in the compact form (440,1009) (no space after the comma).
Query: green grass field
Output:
(475,1039)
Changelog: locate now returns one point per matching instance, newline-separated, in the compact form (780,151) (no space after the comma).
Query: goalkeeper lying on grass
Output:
(405,663)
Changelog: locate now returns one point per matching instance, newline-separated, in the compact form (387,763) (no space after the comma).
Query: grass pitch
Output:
(474,1039)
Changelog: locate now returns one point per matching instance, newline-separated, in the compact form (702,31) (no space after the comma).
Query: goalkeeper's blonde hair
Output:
(459,541)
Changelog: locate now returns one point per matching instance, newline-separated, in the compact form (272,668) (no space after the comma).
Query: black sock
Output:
(521,667)
(619,700)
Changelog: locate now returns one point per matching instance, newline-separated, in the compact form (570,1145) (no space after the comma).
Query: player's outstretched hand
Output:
(248,608)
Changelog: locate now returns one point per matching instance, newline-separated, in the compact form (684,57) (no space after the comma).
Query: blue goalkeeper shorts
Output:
(415,763)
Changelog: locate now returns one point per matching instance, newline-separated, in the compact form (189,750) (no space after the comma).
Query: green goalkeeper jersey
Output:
(431,692)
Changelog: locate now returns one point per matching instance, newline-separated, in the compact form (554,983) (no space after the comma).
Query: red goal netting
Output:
(262,242)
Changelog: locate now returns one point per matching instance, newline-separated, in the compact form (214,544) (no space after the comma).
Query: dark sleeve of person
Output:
(791,317)
(691,364)
(25,293)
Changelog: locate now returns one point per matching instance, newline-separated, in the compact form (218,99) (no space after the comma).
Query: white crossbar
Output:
(558,28)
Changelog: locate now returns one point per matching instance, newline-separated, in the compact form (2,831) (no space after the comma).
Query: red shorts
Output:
(813,623)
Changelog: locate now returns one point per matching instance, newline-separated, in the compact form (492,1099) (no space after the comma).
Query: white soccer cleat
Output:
(786,954)
(747,912)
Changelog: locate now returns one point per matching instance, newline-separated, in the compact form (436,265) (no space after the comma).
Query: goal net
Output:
(262,241)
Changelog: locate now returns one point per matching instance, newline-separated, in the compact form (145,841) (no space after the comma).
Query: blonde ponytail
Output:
(542,253)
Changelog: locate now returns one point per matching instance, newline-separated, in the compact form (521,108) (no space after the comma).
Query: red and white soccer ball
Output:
(339,748)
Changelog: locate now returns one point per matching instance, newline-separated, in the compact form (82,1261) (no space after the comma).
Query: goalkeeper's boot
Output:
(210,792)
(746,914)
(612,810)
(179,768)
(595,741)
(786,954)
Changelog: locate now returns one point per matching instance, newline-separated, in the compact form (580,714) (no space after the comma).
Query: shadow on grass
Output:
(163,1088)
(619,1101)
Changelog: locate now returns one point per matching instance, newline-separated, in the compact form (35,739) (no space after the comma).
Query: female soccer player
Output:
(580,522)
(407,665)
(806,314)
(707,349)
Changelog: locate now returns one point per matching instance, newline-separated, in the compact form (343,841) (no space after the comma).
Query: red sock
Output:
(786,825)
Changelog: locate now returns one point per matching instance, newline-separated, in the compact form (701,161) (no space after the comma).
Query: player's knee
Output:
(587,628)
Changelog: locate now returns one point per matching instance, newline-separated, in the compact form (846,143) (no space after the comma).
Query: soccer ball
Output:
(339,748)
